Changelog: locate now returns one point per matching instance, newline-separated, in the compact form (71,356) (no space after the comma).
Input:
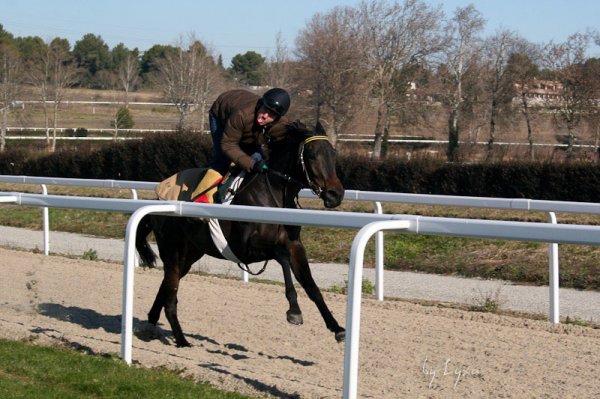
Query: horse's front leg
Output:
(294,314)
(301,269)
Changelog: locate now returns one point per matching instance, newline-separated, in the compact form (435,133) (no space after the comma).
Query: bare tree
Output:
(395,36)
(522,70)
(497,50)
(459,53)
(330,54)
(63,74)
(129,74)
(278,68)
(566,60)
(52,73)
(39,76)
(187,78)
(10,85)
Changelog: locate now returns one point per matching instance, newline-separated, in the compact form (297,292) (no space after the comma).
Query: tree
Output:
(278,68)
(249,68)
(497,51)
(394,36)
(522,70)
(458,54)
(149,64)
(29,47)
(592,70)
(127,67)
(186,78)
(93,56)
(63,75)
(122,119)
(39,70)
(330,54)
(10,81)
(567,60)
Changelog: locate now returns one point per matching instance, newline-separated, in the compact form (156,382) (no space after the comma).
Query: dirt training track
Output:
(242,342)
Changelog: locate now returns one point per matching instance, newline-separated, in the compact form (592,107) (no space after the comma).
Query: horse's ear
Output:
(320,130)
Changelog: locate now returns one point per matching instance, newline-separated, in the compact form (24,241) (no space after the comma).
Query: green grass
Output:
(31,371)
(517,261)
(368,287)
(90,254)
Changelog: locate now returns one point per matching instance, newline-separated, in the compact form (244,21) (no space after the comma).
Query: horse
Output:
(303,158)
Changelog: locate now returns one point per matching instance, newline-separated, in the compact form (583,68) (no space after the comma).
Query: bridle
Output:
(317,190)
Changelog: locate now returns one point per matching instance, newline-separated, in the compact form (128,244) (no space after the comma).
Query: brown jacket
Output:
(236,110)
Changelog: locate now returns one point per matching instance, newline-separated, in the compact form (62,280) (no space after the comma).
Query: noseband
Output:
(313,187)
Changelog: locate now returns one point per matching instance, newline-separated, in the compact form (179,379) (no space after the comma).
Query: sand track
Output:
(242,342)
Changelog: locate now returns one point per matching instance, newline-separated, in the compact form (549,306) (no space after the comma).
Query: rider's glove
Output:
(259,167)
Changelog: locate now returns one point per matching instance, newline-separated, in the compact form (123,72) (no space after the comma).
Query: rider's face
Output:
(264,116)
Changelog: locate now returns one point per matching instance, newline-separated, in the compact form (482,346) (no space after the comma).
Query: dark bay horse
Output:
(302,159)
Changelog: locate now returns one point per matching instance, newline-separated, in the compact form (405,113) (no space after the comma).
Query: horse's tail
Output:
(141,242)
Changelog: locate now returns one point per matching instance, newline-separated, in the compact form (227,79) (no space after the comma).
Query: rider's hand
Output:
(259,167)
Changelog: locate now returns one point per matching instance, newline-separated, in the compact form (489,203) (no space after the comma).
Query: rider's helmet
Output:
(277,100)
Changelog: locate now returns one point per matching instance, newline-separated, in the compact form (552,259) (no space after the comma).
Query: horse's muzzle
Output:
(332,197)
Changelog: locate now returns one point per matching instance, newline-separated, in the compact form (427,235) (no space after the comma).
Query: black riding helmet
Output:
(277,100)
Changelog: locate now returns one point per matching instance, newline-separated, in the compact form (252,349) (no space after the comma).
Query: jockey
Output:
(241,122)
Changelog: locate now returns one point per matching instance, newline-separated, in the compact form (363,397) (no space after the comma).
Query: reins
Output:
(288,179)
(245,268)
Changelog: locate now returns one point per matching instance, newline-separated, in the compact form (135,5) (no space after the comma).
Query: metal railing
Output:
(376,198)
(368,223)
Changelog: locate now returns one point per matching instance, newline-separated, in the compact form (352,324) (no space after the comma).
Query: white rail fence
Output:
(368,224)
(343,140)
(551,207)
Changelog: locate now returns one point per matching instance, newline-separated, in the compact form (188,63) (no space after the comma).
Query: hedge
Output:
(161,155)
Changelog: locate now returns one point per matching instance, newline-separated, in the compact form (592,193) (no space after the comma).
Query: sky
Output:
(231,27)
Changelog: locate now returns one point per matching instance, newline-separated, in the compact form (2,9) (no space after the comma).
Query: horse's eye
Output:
(309,155)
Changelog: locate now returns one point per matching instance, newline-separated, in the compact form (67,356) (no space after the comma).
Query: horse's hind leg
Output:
(159,301)
(176,265)
(294,314)
(141,242)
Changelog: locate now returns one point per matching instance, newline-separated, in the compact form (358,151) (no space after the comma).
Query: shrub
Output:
(123,119)
(81,132)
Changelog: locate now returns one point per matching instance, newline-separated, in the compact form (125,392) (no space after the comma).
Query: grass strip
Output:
(32,371)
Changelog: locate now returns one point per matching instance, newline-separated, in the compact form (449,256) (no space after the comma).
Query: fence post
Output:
(357,254)
(128,274)
(553,277)
(46,223)
(378,257)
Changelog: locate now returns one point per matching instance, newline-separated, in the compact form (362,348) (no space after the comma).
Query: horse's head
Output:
(316,158)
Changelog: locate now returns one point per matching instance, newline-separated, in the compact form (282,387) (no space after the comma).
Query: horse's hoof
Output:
(340,336)
(294,318)
(183,344)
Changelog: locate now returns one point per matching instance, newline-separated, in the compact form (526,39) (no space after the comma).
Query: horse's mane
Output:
(298,131)
(286,146)
(298,127)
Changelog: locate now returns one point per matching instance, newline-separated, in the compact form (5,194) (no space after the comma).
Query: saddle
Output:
(210,187)
(199,185)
